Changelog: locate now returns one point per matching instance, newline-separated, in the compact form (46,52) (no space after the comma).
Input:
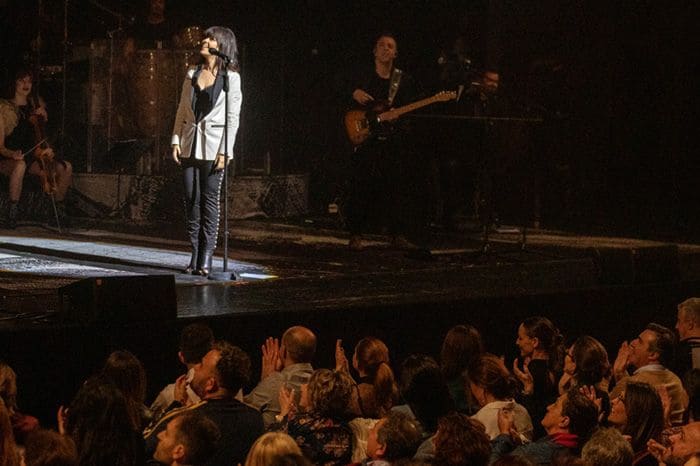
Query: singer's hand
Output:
(176,153)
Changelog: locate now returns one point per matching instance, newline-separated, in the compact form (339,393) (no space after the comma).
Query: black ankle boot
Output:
(205,266)
(192,267)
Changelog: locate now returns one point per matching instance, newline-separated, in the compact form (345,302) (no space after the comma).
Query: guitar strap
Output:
(394,82)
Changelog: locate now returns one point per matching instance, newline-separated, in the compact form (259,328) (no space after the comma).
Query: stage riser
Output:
(151,198)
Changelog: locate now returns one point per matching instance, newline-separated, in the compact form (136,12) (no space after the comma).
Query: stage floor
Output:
(306,268)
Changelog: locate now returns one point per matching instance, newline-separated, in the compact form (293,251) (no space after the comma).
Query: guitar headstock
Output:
(444,96)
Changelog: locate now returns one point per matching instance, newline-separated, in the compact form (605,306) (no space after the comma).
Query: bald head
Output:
(299,345)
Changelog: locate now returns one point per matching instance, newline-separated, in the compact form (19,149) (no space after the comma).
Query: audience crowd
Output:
(560,402)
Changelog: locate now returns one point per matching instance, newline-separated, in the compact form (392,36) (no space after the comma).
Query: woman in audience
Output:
(9,454)
(375,392)
(22,424)
(424,392)
(99,423)
(123,370)
(269,447)
(48,448)
(494,388)
(638,413)
(461,349)
(586,365)
(320,426)
(542,357)
(461,441)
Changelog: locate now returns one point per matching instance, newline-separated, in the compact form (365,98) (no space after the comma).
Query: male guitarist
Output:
(379,166)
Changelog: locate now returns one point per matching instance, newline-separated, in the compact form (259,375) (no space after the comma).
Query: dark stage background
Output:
(615,82)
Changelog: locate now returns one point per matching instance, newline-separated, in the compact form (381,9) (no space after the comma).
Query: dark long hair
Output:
(491,374)
(227,45)
(645,414)
(124,370)
(549,338)
(591,359)
(461,348)
(99,424)
(373,358)
(424,389)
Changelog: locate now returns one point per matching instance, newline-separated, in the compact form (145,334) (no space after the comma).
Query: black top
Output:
(22,137)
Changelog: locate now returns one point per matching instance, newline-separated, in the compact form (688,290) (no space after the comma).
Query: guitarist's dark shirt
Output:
(378,87)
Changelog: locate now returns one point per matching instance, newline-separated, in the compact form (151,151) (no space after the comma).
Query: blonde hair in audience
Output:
(9,455)
(270,446)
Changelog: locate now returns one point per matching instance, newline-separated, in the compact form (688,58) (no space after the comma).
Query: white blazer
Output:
(210,131)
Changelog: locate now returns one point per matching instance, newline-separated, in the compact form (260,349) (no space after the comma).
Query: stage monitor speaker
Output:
(120,299)
(638,265)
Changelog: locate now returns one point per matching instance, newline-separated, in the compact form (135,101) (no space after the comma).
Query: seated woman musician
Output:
(24,146)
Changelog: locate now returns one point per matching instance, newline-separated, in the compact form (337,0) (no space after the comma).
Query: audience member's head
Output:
(538,337)
(691,383)
(123,370)
(49,448)
(327,393)
(607,447)
(461,348)
(298,345)
(587,361)
(222,371)
(638,412)
(489,380)
(98,422)
(655,345)
(195,342)
(9,454)
(423,388)
(371,359)
(8,386)
(393,437)
(572,413)
(688,318)
(684,443)
(461,440)
(189,438)
(269,449)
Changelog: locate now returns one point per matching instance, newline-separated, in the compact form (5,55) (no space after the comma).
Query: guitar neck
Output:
(410,107)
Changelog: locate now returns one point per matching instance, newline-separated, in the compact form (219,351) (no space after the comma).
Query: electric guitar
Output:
(361,124)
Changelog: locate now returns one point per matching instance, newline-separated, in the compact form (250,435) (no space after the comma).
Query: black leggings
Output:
(202,195)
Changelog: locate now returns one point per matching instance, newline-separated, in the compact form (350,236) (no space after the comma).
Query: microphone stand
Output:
(224,275)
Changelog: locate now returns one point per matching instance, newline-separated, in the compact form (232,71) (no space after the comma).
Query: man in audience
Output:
(392,438)
(288,365)
(688,327)
(217,378)
(684,442)
(188,439)
(195,341)
(607,447)
(568,423)
(649,355)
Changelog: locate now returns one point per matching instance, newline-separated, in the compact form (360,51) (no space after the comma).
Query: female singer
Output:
(198,141)
(18,144)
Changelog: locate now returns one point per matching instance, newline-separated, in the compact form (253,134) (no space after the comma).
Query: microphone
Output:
(215,52)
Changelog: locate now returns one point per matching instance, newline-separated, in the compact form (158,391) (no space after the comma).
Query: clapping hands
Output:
(271,357)
(524,376)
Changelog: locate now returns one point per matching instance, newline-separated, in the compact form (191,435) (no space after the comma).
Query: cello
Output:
(43,152)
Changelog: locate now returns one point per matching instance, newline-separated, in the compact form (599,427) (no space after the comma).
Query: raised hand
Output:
(62,419)
(271,360)
(180,391)
(621,361)
(524,376)
(662,390)
(658,451)
(589,392)
(286,399)
(565,382)
(341,362)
